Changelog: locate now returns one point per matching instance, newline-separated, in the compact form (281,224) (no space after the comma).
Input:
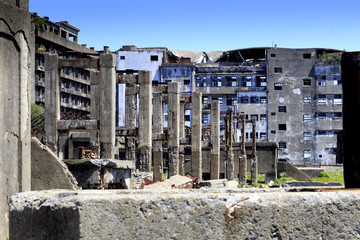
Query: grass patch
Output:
(330,176)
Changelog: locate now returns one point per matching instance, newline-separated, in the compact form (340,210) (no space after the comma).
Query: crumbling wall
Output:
(47,170)
(15,45)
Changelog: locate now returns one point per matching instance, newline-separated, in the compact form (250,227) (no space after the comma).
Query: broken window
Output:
(321,99)
(273,132)
(307,99)
(337,99)
(186,82)
(307,56)
(254,116)
(307,136)
(244,99)
(254,99)
(320,115)
(337,115)
(272,55)
(277,70)
(337,81)
(277,86)
(282,126)
(307,82)
(187,118)
(247,135)
(205,99)
(263,135)
(205,119)
(321,82)
(307,154)
(262,117)
(282,144)
(122,57)
(154,58)
(307,117)
(263,100)
(221,101)
(282,109)
(273,113)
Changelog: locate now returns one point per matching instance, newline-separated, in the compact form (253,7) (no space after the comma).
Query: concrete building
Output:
(61,38)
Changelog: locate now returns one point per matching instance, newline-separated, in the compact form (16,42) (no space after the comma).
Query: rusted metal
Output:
(350,74)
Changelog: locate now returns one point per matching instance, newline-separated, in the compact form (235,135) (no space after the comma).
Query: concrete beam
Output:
(215,140)
(79,63)
(145,123)
(129,78)
(78,124)
(196,120)
(173,127)
(107,104)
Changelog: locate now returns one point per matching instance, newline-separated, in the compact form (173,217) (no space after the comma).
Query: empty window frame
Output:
(254,99)
(282,109)
(263,135)
(244,99)
(122,57)
(321,82)
(337,81)
(263,100)
(277,70)
(254,116)
(337,99)
(321,99)
(154,58)
(273,132)
(186,82)
(307,82)
(272,55)
(273,113)
(307,56)
(277,86)
(187,118)
(307,99)
(248,80)
(205,118)
(321,115)
(307,117)
(307,154)
(307,135)
(205,100)
(282,144)
(337,115)
(262,117)
(282,127)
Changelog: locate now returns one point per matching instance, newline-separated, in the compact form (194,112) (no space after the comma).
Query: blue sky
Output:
(209,25)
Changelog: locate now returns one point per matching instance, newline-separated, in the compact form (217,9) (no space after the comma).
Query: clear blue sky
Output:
(209,25)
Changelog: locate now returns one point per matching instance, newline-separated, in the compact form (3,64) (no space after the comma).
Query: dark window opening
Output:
(186,82)
(254,100)
(307,55)
(277,70)
(273,114)
(187,118)
(273,132)
(154,58)
(282,109)
(122,57)
(282,144)
(307,82)
(272,55)
(254,116)
(282,126)
(278,86)
(262,116)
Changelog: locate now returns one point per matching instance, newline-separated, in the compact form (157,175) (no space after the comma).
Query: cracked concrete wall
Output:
(47,170)
(183,214)
(15,42)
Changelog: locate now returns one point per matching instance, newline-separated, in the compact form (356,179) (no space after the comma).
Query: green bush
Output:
(324,174)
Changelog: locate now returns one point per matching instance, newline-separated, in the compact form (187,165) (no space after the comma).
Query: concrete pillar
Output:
(173,128)
(228,145)
(157,145)
(196,119)
(182,135)
(94,110)
(130,105)
(52,100)
(107,104)
(145,117)
(254,165)
(215,140)
(243,157)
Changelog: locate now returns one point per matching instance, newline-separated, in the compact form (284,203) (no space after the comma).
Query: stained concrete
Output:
(183,214)
(48,171)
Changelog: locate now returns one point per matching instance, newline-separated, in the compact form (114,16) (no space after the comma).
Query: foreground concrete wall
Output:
(14,104)
(47,170)
(183,214)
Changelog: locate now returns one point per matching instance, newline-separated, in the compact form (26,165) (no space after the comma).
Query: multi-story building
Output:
(295,94)
(61,38)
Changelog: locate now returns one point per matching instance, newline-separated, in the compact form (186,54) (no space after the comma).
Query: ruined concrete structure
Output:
(15,69)
(295,95)
(61,38)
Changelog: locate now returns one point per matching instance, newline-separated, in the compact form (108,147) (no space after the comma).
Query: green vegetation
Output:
(329,58)
(37,119)
(282,178)
(39,23)
(330,176)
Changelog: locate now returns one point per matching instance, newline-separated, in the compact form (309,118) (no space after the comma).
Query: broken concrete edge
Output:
(121,164)
(222,214)
(65,169)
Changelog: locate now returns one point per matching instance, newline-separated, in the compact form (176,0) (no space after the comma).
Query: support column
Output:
(215,140)
(158,130)
(94,111)
(145,117)
(243,157)
(182,135)
(196,119)
(52,100)
(130,121)
(107,104)
(173,127)
(228,143)
(254,165)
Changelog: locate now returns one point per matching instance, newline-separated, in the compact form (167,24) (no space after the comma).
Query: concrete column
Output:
(52,100)
(94,110)
(130,105)
(173,128)
(215,140)
(254,165)
(157,145)
(182,135)
(196,119)
(107,104)
(145,117)
(243,157)
(228,147)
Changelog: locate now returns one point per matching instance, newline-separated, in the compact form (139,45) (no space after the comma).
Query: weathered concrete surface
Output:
(15,130)
(183,214)
(176,181)
(292,171)
(47,170)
